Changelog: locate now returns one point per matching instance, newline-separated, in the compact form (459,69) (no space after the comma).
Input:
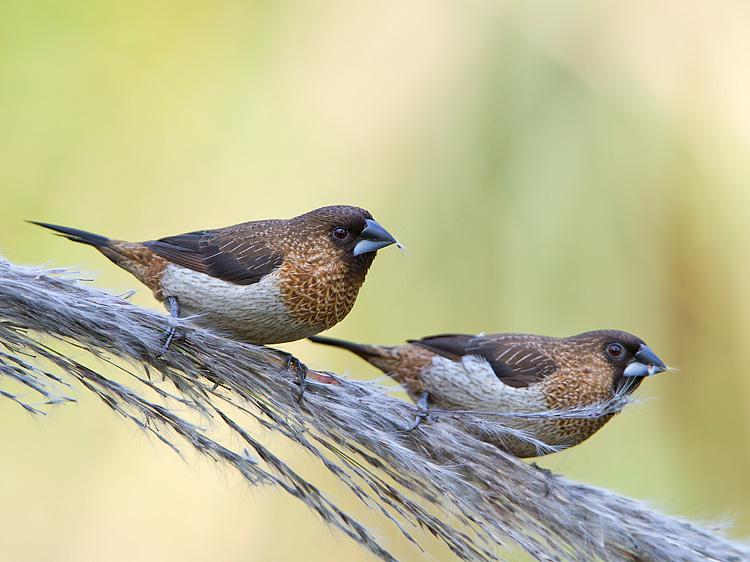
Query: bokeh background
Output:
(550,167)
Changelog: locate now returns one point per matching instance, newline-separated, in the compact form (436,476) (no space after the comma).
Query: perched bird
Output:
(518,374)
(266,281)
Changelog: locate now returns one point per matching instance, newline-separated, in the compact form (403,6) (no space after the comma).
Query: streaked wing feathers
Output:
(242,260)
(515,359)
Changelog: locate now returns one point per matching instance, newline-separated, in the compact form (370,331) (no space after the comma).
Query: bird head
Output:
(344,233)
(627,356)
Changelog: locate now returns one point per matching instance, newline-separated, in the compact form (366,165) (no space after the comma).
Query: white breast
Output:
(471,384)
(253,313)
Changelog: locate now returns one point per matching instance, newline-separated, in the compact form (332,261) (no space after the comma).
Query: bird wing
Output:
(516,359)
(227,254)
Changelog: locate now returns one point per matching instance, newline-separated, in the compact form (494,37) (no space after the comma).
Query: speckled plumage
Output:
(267,281)
(320,291)
(513,373)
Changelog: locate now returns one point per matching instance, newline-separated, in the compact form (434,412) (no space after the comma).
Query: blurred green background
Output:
(550,167)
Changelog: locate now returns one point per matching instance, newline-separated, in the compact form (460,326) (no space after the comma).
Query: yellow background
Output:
(551,167)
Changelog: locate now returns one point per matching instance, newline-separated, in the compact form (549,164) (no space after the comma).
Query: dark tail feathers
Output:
(364,351)
(76,235)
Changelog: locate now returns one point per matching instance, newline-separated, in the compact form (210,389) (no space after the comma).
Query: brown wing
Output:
(229,255)
(516,359)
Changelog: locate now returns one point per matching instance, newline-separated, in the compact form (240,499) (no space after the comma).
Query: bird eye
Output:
(339,233)
(615,350)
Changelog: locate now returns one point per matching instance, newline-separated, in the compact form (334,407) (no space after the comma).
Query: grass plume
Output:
(441,480)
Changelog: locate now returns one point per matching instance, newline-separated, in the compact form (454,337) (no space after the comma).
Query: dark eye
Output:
(339,233)
(615,350)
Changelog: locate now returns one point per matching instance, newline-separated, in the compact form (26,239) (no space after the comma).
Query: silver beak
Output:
(373,238)
(645,364)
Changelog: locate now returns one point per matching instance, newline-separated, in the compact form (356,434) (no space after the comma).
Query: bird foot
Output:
(171,335)
(300,369)
(174,312)
(423,412)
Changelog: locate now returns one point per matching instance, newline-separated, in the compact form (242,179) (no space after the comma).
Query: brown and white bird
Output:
(518,374)
(266,281)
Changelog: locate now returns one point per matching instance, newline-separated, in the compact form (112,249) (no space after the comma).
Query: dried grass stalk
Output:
(441,479)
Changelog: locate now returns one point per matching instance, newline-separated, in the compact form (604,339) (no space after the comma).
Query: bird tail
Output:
(76,235)
(389,359)
(366,352)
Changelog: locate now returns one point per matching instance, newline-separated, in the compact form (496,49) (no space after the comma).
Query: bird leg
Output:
(174,312)
(300,369)
(422,413)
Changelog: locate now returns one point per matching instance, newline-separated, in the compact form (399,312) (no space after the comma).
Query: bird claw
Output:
(171,333)
(174,312)
(423,412)
(300,369)
(418,419)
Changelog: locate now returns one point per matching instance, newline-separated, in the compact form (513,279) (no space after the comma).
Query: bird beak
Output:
(645,364)
(373,238)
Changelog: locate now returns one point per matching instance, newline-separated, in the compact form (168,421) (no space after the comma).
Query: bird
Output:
(523,374)
(261,282)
